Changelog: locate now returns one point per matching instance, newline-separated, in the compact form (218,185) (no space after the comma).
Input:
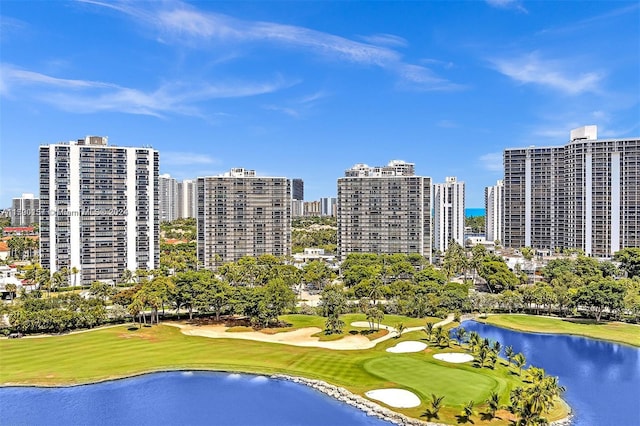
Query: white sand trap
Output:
(398,398)
(408,346)
(456,358)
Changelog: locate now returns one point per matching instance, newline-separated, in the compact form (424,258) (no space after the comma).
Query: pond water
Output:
(602,378)
(179,398)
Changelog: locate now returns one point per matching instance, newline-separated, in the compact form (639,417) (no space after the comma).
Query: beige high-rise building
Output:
(384,210)
(584,195)
(448,213)
(100,210)
(241,214)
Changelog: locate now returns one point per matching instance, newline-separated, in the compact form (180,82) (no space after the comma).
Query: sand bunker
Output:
(398,398)
(456,358)
(408,346)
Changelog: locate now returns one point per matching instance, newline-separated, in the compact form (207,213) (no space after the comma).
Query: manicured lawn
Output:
(117,352)
(613,331)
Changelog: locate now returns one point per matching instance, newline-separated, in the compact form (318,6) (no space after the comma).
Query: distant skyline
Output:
(308,89)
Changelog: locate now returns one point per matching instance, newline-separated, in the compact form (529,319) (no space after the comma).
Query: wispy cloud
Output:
(298,107)
(180,23)
(187,159)
(508,4)
(590,22)
(491,161)
(447,124)
(85,96)
(385,40)
(556,74)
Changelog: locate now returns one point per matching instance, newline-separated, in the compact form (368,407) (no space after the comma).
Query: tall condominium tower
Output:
(297,189)
(99,207)
(25,210)
(168,193)
(328,206)
(448,216)
(187,198)
(241,214)
(384,210)
(493,196)
(584,195)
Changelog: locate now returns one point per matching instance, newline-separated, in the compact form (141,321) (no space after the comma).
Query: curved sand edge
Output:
(454,357)
(397,398)
(407,346)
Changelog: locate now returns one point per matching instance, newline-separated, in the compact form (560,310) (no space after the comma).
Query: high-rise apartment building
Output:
(384,210)
(168,192)
(187,198)
(25,210)
(297,189)
(493,196)
(584,195)
(448,213)
(100,209)
(297,208)
(241,214)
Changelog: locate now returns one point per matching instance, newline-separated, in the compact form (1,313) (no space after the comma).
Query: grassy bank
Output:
(118,352)
(619,332)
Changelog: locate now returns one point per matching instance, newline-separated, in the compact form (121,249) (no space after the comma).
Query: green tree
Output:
(12,289)
(317,273)
(519,360)
(100,289)
(509,353)
(629,259)
(435,406)
(605,293)
(493,404)
(400,327)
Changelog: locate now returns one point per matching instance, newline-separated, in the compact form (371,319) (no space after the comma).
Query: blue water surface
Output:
(179,398)
(602,378)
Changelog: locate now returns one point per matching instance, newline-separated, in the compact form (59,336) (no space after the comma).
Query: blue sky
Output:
(307,89)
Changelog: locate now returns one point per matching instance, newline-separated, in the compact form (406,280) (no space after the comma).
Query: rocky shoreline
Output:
(370,407)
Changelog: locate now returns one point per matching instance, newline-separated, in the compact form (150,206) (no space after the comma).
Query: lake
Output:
(602,378)
(179,398)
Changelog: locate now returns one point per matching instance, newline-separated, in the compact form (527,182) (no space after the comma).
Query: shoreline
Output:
(477,318)
(338,393)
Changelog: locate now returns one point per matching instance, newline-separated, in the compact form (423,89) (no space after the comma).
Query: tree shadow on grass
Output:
(487,417)
(430,415)
(464,419)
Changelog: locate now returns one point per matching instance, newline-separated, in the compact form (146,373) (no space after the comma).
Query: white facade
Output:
(168,192)
(583,195)
(448,218)
(328,206)
(100,209)
(187,198)
(493,196)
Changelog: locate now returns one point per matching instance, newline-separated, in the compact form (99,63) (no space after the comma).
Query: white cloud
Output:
(556,74)
(447,124)
(180,23)
(492,161)
(508,4)
(84,96)
(386,40)
(169,158)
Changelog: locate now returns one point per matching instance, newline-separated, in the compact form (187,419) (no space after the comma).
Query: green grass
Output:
(613,331)
(117,352)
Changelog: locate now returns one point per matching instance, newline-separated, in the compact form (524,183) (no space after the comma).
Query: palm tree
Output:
(483,354)
(436,405)
(493,403)
(74,272)
(467,411)
(399,329)
(428,328)
(11,288)
(461,333)
(370,318)
(474,341)
(496,347)
(509,353)
(519,360)
(126,277)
